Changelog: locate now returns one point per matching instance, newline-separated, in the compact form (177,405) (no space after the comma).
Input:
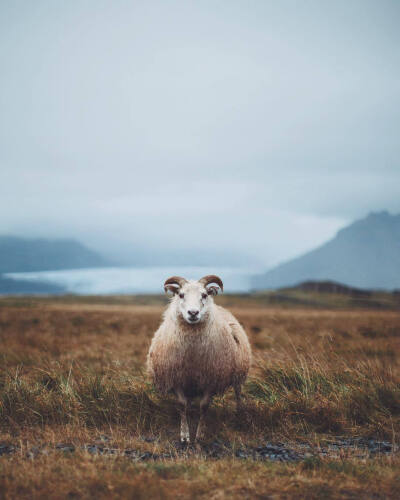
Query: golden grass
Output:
(72,369)
(82,476)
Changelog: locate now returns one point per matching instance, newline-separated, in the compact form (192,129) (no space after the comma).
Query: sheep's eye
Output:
(181,295)
(204,295)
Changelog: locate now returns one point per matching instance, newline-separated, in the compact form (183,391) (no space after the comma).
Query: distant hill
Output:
(365,254)
(331,287)
(24,255)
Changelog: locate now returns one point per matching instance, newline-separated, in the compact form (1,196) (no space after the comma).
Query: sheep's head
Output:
(194,298)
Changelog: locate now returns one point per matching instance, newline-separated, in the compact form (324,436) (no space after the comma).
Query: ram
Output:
(199,350)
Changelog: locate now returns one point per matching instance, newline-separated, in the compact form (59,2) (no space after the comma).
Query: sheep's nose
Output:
(193,312)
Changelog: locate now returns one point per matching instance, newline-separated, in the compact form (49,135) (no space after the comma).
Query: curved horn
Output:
(174,280)
(211,278)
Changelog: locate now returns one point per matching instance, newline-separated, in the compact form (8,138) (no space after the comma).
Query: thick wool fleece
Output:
(208,357)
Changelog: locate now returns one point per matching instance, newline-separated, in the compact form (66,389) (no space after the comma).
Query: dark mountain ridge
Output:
(330,287)
(365,254)
(24,255)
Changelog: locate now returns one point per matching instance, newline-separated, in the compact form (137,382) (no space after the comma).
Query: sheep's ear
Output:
(213,290)
(171,288)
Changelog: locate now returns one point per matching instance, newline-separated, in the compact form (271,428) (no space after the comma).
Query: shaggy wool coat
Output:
(207,357)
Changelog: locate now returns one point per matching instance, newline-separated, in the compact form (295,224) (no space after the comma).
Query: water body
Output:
(131,280)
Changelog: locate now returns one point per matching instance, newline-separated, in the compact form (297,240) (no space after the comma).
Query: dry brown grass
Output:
(72,369)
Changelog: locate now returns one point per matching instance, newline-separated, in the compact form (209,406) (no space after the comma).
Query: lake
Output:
(130,280)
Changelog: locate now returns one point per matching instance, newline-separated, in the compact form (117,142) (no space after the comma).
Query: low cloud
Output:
(246,129)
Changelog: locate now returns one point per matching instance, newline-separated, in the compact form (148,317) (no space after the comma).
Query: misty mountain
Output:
(24,255)
(365,254)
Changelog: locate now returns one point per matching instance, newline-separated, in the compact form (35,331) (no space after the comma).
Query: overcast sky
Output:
(257,127)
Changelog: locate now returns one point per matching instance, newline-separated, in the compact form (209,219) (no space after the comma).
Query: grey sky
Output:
(261,126)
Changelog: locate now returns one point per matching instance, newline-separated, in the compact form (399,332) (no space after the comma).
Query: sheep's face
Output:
(193,298)
(194,301)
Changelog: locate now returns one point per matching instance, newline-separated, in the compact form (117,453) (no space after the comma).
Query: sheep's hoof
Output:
(185,440)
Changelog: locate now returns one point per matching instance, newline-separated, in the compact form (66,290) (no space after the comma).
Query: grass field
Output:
(79,418)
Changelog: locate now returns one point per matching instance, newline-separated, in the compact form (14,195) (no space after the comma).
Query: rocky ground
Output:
(274,451)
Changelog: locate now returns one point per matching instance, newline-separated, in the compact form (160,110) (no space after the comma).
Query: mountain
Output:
(365,254)
(23,255)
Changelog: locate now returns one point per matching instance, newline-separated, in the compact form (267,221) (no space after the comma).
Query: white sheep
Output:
(199,350)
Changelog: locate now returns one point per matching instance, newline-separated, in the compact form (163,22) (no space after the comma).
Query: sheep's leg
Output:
(201,427)
(183,403)
(238,394)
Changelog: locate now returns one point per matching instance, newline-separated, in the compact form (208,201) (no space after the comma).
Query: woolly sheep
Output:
(199,350)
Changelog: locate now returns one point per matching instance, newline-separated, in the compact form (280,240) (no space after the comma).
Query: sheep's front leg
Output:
(201,427)
(182,401)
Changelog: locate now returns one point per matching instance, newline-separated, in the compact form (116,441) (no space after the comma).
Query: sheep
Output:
(199,350)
